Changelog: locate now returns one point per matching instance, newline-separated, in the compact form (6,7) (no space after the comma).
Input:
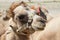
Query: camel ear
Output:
(10,14)
(44,10)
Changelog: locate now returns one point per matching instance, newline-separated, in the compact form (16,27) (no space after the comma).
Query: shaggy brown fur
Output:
(12,7)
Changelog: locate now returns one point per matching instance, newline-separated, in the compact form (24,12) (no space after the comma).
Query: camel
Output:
(10,15)
(51,31)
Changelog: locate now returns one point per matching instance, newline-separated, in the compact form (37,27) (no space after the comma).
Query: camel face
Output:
(22,17)
(38,23)
(51,31)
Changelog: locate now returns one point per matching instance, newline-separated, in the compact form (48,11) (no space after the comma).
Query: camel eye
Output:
(21,16)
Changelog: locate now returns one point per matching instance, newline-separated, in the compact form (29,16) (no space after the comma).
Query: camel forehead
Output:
(19,9)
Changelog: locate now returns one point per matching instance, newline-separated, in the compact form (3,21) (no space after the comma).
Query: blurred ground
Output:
(52,6)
